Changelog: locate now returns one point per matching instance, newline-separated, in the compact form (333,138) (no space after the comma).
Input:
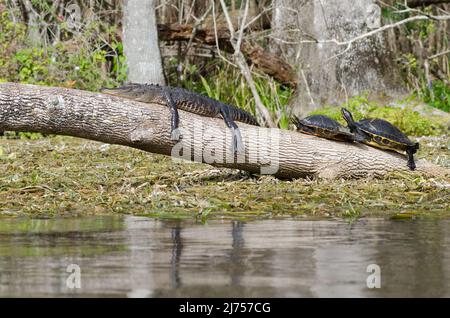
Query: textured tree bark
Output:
(105,118)
(303,32)
(140,42)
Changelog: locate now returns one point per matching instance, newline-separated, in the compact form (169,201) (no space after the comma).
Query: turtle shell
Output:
(321,121)
(323,126)
(384,134)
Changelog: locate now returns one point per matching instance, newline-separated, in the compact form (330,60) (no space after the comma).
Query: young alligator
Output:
(178,98)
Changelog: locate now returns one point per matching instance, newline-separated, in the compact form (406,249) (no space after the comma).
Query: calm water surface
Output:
(142,257)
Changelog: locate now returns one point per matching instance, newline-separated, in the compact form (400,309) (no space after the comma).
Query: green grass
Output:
(438,96)
(223,82)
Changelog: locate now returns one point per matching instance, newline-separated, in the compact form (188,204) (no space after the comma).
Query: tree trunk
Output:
(34,34)
(105,118)
(329,73)
(140,42)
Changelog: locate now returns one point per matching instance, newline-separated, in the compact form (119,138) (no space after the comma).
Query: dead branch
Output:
(267,62)
(261,111)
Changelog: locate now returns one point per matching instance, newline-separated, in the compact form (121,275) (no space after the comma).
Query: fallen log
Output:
(109,119)
(267,62)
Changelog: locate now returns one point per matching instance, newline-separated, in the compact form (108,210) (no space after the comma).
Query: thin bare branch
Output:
(261,110)
(241,29)
(438,54)
(371,33)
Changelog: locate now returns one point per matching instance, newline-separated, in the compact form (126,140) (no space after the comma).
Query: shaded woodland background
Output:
(294,65)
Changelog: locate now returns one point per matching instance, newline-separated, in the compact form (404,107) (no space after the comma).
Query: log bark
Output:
(113,120)
(267,62)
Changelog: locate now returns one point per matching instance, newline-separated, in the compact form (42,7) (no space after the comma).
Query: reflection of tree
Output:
(412,262)
(176,255)
(236,253)
(340,254)
(36,253)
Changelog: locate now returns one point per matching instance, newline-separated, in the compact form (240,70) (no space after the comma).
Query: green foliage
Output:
(421,27)
(11,36)
(21,135)
(438,96)
(423,34)
(33,65)
(436,93)
(85,60)
(408,120)
(360,106)
(119,62)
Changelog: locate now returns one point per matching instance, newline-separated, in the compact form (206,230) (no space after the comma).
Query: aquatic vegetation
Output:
(65,176)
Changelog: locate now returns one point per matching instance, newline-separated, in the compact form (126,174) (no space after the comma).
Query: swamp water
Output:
(143,257)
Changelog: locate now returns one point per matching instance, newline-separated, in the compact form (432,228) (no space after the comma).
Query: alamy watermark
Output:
(73,281)
(73,16)
(208,144)
(374,279)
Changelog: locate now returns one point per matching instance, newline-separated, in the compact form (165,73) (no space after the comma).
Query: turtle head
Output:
(349,119)
(415,147)
(295,120)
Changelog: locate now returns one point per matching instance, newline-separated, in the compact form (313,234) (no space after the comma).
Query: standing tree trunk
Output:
(309,33)
(140,42)
(34,35)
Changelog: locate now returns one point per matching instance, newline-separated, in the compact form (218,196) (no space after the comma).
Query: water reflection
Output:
(176,254)
(141,257)
(237,253)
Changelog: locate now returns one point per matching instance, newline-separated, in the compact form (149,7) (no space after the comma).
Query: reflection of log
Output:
(114,120)
(267,62)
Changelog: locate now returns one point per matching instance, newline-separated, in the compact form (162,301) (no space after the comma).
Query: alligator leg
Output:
(174,120)
(236,146)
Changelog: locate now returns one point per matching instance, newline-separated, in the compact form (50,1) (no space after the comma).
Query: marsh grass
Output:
(65,176)
(223,82)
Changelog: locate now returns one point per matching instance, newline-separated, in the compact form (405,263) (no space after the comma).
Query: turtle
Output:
(382,134)
(323,126)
